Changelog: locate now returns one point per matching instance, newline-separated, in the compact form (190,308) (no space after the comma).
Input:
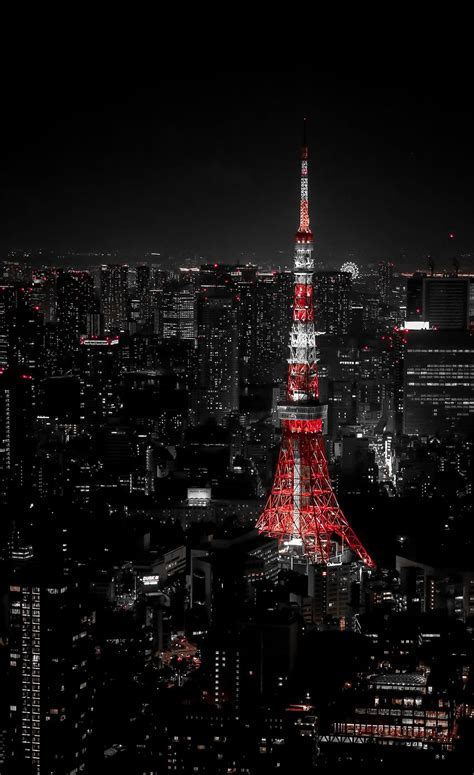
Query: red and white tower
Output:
(302,509)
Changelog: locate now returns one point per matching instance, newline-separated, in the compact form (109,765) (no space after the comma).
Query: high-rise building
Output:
(385,279)
(114,296)
(51,671)
(8,302)
(17,408)
(43,293)
(267,327)
(144,280)
(75,302)
(443,302)
(21,330)
(332,302)
(415,297)
(218,353)
(99,363)
(438,383)
(179,312)
(446,302)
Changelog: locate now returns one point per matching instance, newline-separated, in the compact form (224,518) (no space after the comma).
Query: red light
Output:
(451,235)
(215,266)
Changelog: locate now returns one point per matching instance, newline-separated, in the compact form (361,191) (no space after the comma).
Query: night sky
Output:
(210,166)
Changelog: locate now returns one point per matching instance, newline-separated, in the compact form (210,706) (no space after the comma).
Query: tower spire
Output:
(304,227)
(302,509)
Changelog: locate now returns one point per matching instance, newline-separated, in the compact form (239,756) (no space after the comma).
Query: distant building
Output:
(143,283)
(75,303)
(266,324)
(99,368)
(385,279)
(179,312)
(443,302)
(446,302)
(438,383)
(332,302)
(218,353)
(17,413)
(114,296)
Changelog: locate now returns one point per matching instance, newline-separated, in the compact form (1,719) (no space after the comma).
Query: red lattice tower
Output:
(302,508)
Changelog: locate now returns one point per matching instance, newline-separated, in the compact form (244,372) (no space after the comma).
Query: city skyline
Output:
(205,166)
(236,495)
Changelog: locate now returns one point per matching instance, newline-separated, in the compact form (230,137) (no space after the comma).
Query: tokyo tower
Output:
(302,510)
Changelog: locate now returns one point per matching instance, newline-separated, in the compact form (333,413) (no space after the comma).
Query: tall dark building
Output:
(114,296)
(268,327)
(446,302)
(438,383)
(443,302)
(51,677)
(8,303)
(385,278)
(144,280)
(415,297)
(17,408)
(43,293)
(332,302)
(75,302)
(179,312)
(99,369)
(218,346)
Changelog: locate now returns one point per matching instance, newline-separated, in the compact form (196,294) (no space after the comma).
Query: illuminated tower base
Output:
(302,510)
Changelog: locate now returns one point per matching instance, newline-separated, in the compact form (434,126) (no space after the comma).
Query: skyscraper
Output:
(446,302)
(438,383)
(179,312)
(75,301)
(17,411)
(385,278)
(268,327)
(51,679)
(114,296)
(218,352)
(99,369)
(8,302)
(144,279)
(332,302)
(443,302)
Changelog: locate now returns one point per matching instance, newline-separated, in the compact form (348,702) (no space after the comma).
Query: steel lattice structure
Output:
(302,507)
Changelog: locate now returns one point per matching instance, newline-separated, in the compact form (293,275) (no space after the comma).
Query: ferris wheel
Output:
(352,268)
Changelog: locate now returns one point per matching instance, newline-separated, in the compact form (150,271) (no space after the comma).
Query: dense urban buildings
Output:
(236,505)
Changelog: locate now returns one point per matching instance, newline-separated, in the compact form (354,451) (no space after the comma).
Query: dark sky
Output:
(210,165)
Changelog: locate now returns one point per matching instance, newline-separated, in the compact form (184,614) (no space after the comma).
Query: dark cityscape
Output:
(237,428)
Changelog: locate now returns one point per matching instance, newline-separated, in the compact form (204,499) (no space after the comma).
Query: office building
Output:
(385,279)
(443,302)
(114,296)
(218,353)
(179,312)
(75,303)
(99,361)
(438,383)
(17,413)
(51,672)
(332,302)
